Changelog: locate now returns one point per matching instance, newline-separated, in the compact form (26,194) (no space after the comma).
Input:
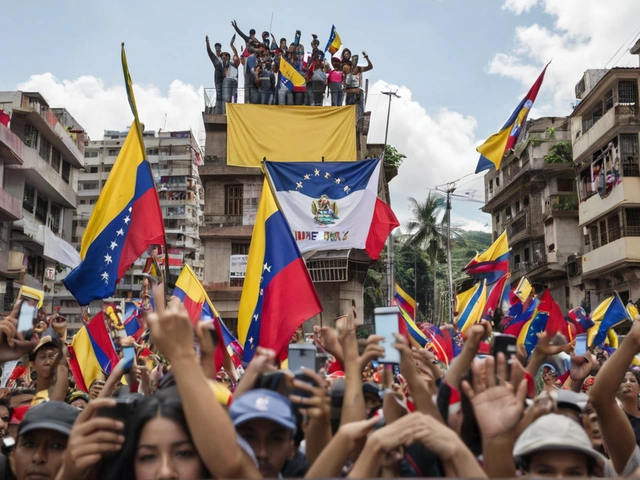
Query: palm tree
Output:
(425,232)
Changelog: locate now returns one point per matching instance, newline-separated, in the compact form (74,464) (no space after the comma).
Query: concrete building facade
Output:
(232,195)
(533,196)
(604,132)
(41,153)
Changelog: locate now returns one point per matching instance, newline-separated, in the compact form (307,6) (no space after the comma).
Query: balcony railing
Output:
(561,203)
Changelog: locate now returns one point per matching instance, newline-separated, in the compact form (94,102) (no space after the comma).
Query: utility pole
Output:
(390,279)
(450,188)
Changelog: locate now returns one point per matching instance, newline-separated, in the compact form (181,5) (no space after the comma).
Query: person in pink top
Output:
(335,83)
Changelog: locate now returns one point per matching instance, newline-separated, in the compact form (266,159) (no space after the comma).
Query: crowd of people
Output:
(479,416)
(337,78)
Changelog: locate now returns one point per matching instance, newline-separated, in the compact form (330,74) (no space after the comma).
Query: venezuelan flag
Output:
(528,335)
(471,312)
(521,315)
(498,144)
(93,352)
(199,307)
(405,302)
(493,263)
(334,43)
(607,315)
(278,294)
(495,297)
(289,76)
(415,336)
(126,219)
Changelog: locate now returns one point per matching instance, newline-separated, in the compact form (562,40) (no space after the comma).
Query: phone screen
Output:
(302,355)
(386,324)
(28,312)
(581,344)
(128,354)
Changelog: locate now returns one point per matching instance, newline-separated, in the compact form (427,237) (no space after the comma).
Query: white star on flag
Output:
(113,245)
(251,340)
(130,208)
(337,180)
(316,172)
(255,317)
(266,267)
(327,175)
(105,277)
(261,292)
(307,177)
(120,232)
(346,188)
(107,259)
(127,219)
(298,185)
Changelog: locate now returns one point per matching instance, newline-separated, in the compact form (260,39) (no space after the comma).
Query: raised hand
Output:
(318,404)
(581,366)
(490,395)
(172,332)
(546,349)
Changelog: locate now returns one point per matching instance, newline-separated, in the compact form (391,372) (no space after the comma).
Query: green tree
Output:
(392,158)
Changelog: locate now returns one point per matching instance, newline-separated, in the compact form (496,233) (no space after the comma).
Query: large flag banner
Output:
(278,294)
(493,263)
(126,220)
(333,206)
(492,151)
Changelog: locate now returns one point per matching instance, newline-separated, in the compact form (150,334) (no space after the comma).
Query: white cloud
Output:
(440,147)
(584,35)
(98,107)
(519,6)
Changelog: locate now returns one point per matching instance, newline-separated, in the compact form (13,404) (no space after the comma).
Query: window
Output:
(491,186)
(56,160)
(632,217)
(613,224)
(507,213)
(517,206)
(152,151)
(516,259)
(608,100)
(497,181)
(30,136)
(527,254)
(107,168)
(66,171)
(83,223)
(93,201)
(83,202)
(91,154)
(627,92)
(603,232)
(42,205)
(595,239)
(45,149)
(114,152)
(90,186)
(29,199)
(93,170)
(234,282)
(629,154)
(233,200)
(56,217)
(525,201)
(239,249)
(565,185)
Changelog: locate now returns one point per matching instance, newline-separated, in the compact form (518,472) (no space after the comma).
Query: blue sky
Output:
(461,65)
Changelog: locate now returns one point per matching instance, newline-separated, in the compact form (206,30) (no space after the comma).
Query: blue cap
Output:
(262,404)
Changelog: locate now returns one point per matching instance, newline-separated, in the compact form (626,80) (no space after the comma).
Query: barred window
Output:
(66,171)
(56,217)
(56,160)
(29,199)
(233,200)
(42,205)
(603,232)
(30,136)
(239,249)
(613,224)
(45,149)
(632,218)
(627,92)
(629,154)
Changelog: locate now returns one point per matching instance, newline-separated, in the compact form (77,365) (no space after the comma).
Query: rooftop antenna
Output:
(165,122)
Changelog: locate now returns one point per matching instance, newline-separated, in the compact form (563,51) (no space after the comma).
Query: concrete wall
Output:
(626,248)
(627,192)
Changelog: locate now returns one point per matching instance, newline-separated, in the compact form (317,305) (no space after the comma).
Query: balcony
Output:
(223,220)
(521,228)
(11,146)
(45,179)
(10,206)
(47,124)
(561,206)
(586,139)
(627,192)
(185,201)
(611,257)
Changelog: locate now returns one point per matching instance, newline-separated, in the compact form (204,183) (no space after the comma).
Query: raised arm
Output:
(462,362)
(616,429)
(234,24)
(212,56)
(236,57)
(369,64)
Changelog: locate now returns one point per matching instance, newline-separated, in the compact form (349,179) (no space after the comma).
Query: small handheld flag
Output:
(334,43)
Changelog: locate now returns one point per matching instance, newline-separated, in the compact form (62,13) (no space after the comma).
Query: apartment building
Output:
(232,195)
(604,133)
(174,157)
(533,196)
(41,153)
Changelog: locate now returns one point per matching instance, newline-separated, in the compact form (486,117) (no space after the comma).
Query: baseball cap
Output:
(573,400)
(49,337)
(263,404)
(371,387)
(555,432)
(53,415)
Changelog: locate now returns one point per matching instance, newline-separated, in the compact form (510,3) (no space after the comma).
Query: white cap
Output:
(555,432)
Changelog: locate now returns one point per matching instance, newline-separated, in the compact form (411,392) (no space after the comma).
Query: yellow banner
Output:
(289,133)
